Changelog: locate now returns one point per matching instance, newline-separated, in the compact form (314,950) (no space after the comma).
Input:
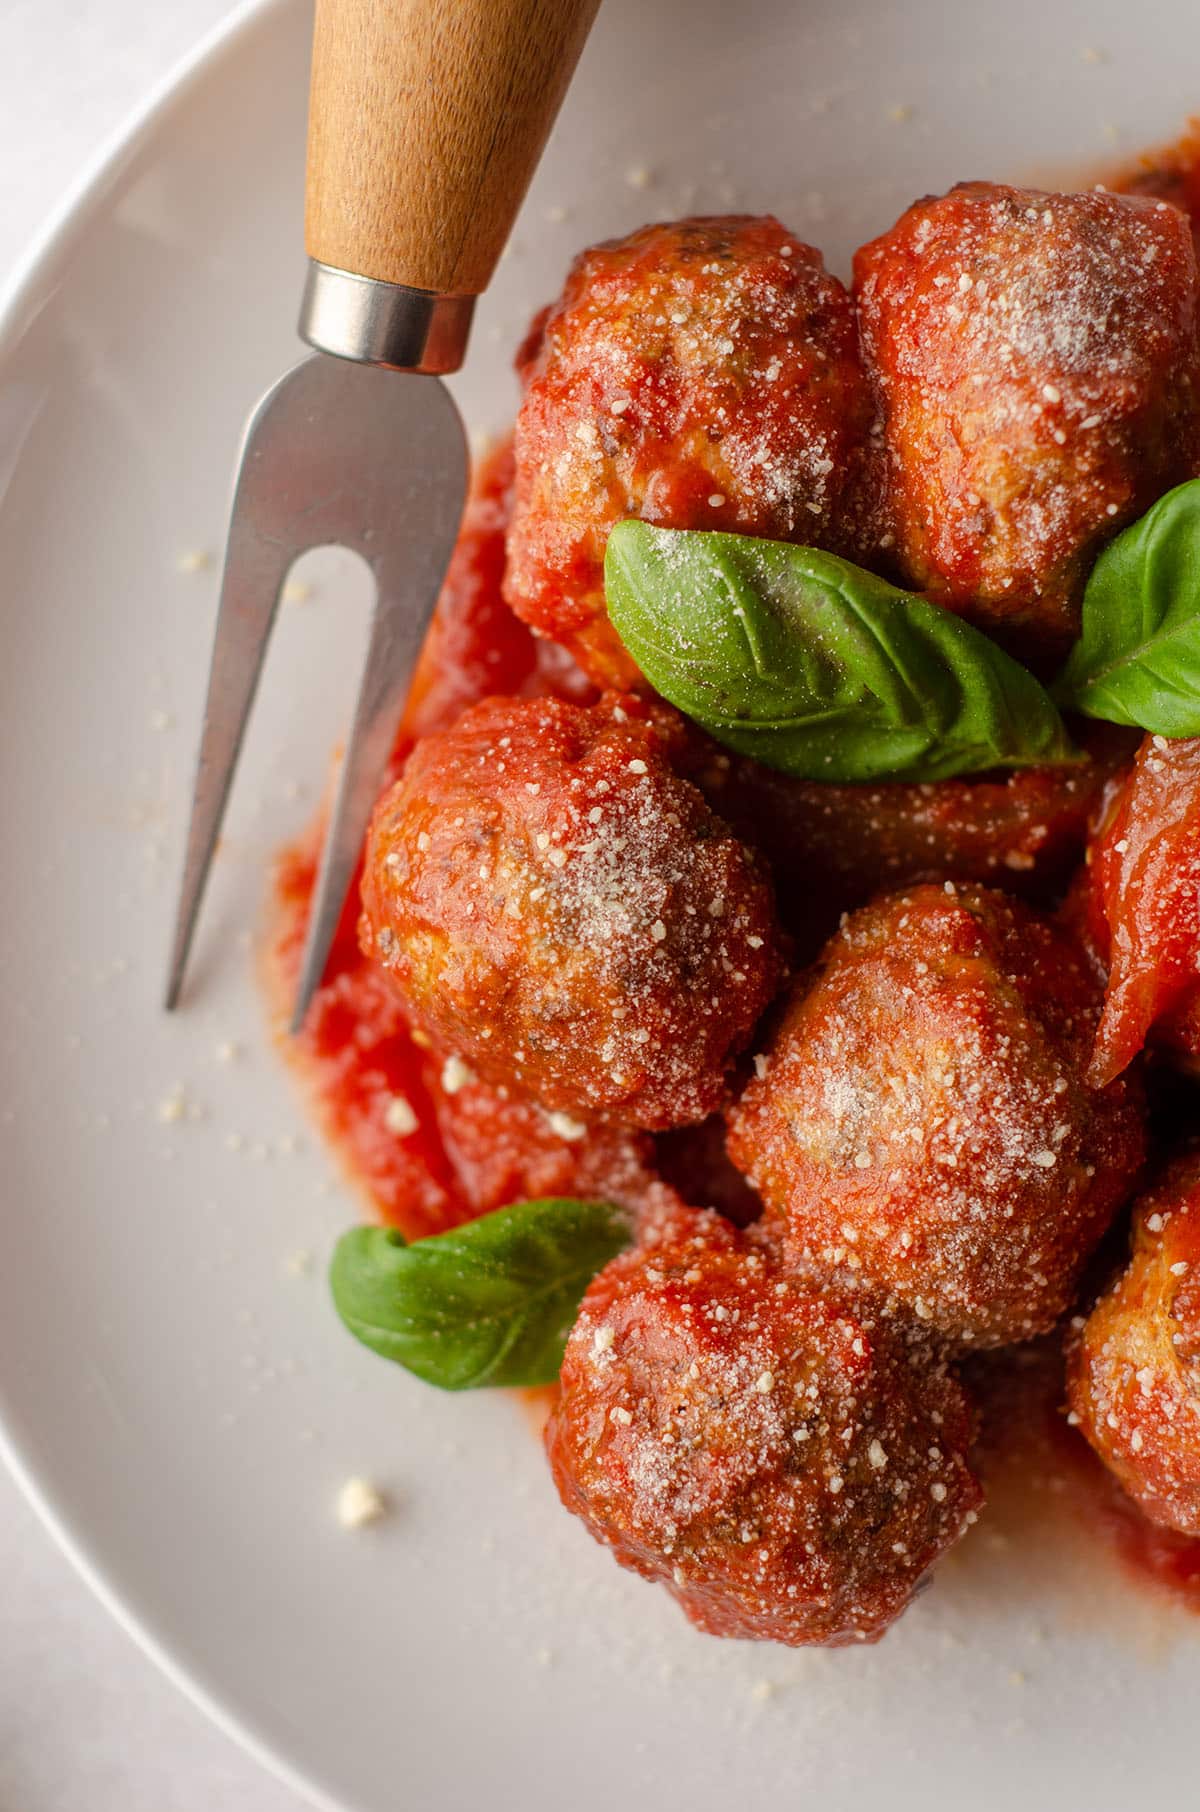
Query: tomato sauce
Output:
(1144,888)
(430,1148)
(1158,1556)
(1024,1431)
(1172,175)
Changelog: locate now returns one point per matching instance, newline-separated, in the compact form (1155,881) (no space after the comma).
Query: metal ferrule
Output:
(388,324)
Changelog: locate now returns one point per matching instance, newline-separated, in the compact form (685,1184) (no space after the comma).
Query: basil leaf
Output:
(491,1302)
(815,667)
(1138,658)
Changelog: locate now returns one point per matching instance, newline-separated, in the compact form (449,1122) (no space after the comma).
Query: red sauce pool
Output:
(1171,1561)
(471,1149)
(1024,1431)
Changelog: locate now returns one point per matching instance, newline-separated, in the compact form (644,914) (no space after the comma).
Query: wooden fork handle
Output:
(426,122)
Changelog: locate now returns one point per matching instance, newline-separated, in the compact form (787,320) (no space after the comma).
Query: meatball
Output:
(1144,909)
(1172,175)
(1034,360)
(566,916)
(921,1122)
(831,847)
(1133,1370)
(786,1468)
(700,374)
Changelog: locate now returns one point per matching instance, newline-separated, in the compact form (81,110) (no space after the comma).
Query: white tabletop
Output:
(87,1724)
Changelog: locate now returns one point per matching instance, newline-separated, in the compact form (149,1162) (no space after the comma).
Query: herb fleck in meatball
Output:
(565,915)
(1034,358)
(785,1467)
(921,1120)
(701,374)
(1133,1378)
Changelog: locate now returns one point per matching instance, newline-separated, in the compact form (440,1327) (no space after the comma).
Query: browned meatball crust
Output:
(784,1465)
(921,1120)
(697,374)
(1133,1378)
(566,916)
(1034,358)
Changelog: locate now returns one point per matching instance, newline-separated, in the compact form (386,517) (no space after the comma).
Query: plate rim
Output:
(33,277)
(19,293)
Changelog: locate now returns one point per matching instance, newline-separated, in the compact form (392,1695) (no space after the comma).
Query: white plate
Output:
(181,1407)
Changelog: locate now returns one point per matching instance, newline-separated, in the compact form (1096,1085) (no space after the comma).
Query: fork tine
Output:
(403,605)
(250,588)
(336,454)
(408,500)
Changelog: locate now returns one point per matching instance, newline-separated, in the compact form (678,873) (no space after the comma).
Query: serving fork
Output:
(426,122)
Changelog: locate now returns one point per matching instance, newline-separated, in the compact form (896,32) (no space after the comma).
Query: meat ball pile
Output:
(1013,381)
(767,1420)
(1034,360)
(921,1121)
(1134,1369)
(566,916)
(702,374)
(781,1462)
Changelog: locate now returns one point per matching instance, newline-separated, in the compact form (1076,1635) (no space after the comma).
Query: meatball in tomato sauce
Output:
(1143,909)
(921,1121)
(786,1468)
(698,374)
(1034,359)
(832,847)
(566,916)
(1133,1379)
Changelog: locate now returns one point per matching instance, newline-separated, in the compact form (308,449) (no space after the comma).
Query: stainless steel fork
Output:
(426,121)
